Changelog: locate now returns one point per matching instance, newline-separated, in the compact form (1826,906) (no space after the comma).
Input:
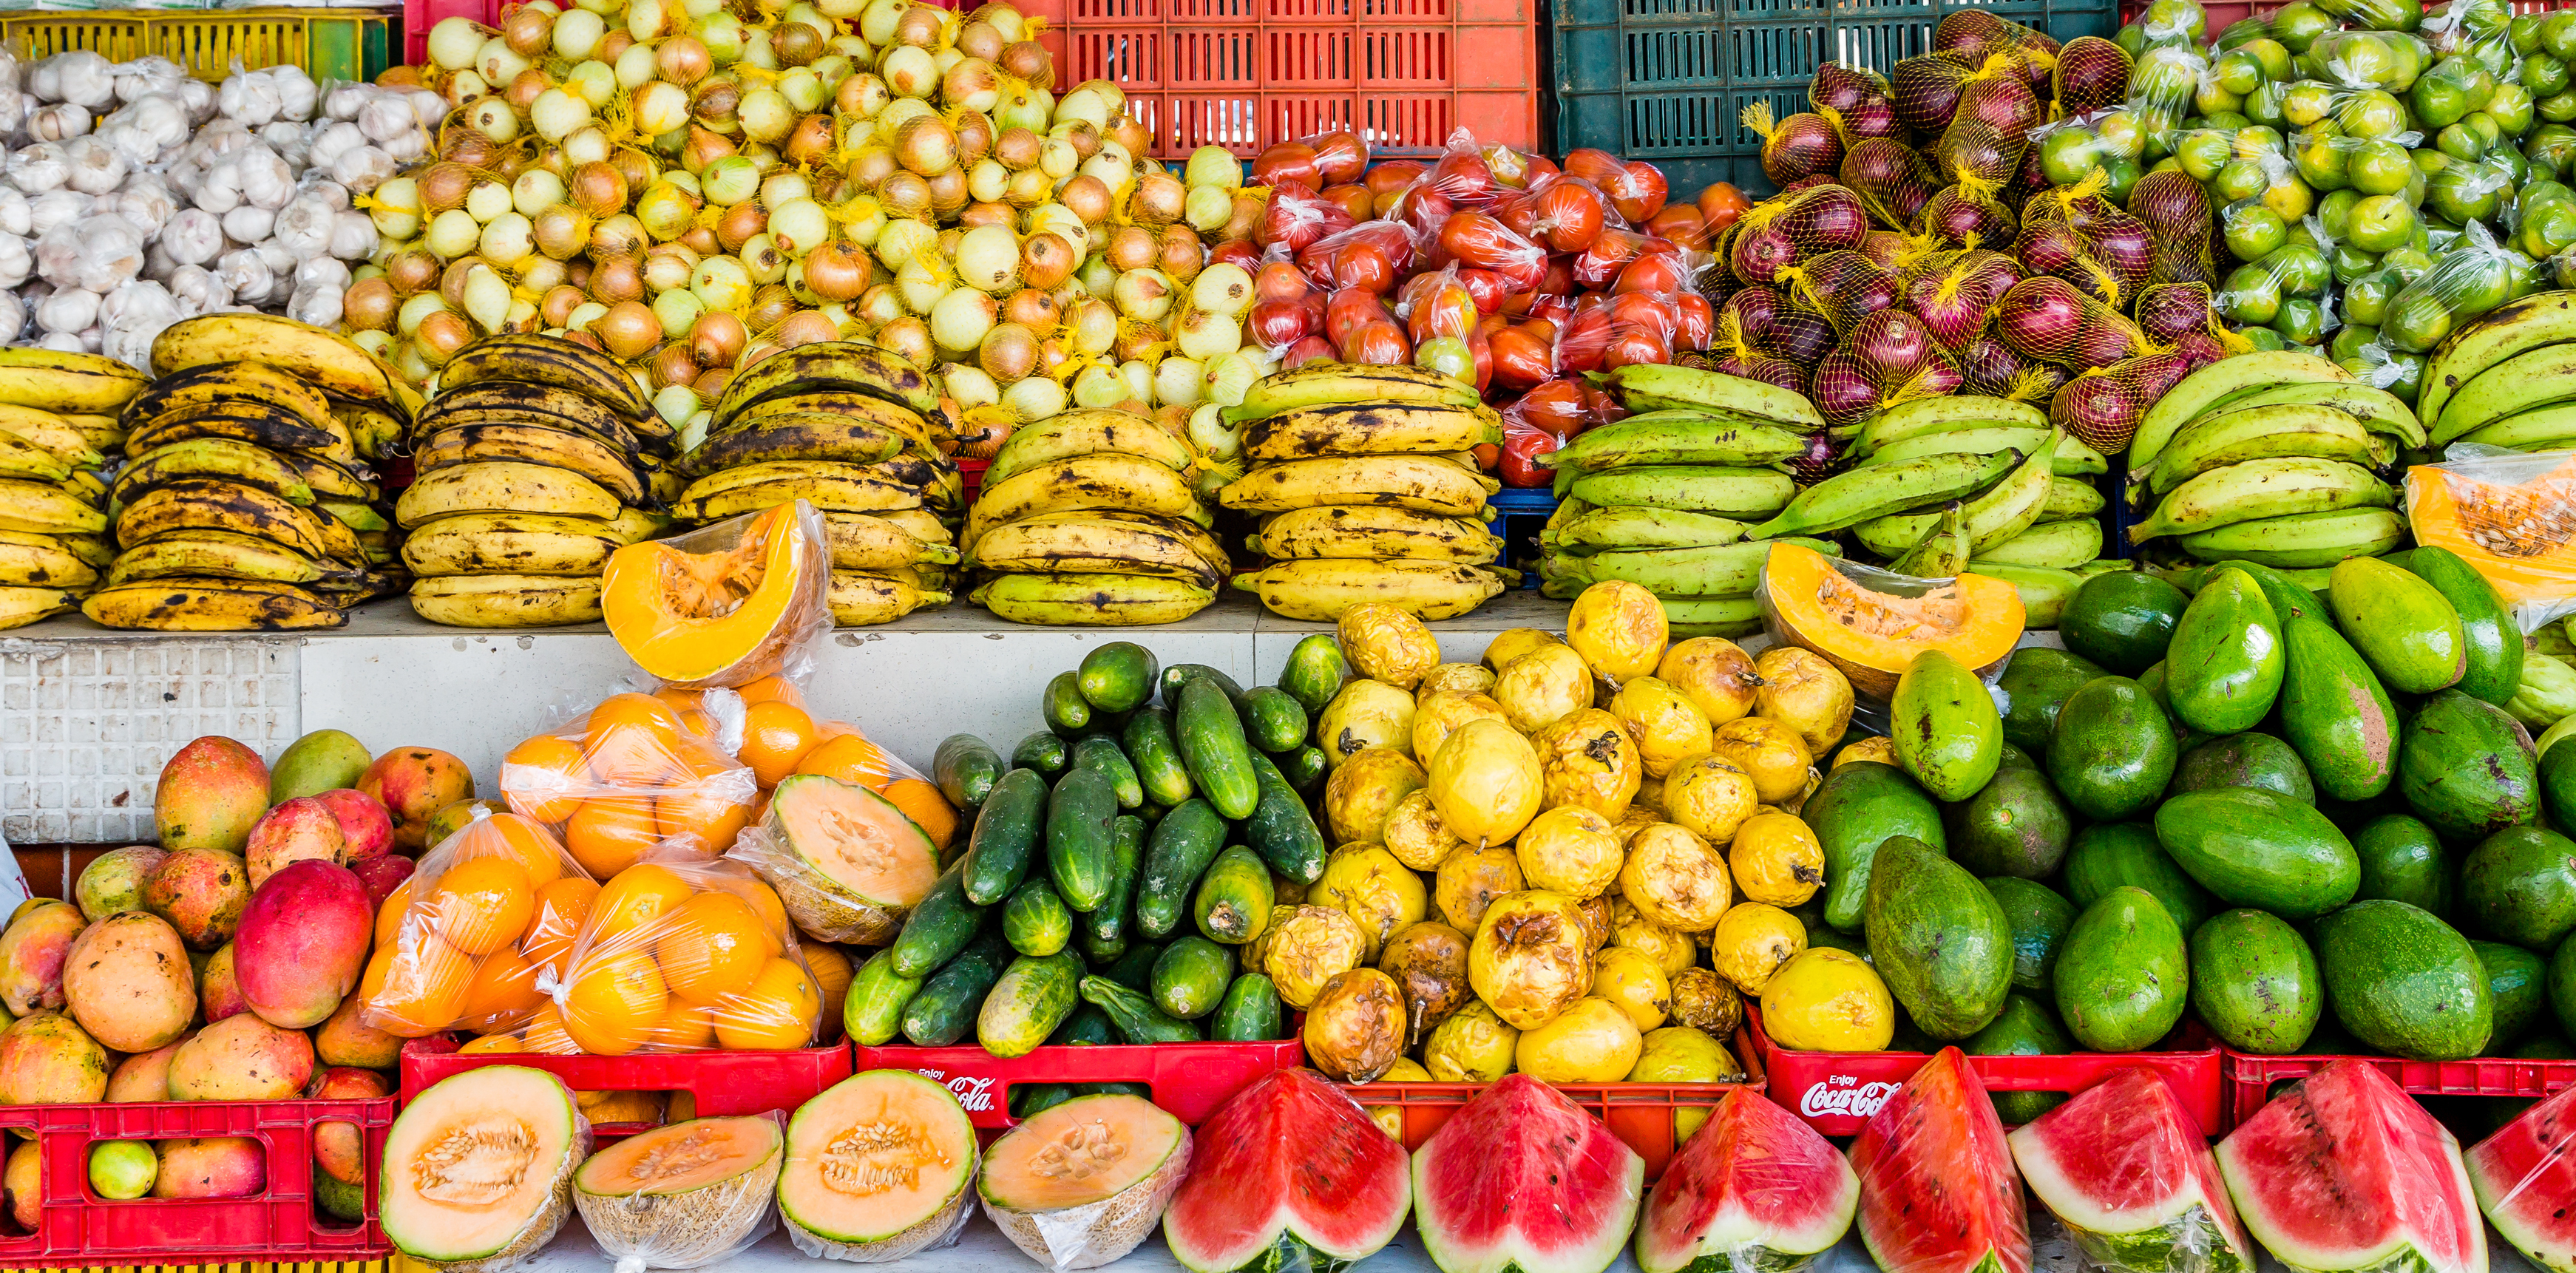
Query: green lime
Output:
(2543,75)
(2438,102)
(2238,71)
(2202,152)
(2320,160)
(2259,140)
(2465,193)
(2224,120)
(2274,56)
(2511,109)
(2121,175)
(2348,340)
(2524,33)
(2263,105)
(2250,295)
(2254,231)
(2557,108)
(2131,40)
(2365,299)
(2550,146)
(2242,32)
(2303,234)
(2364,58)
(2350,262)
(2416,321)
(2183,18)
(2066,155)
(2298,24)
(2238,181)
(2510,161)
(2263,338)
(2301,270)
(2558,35)
(2334,215)
(2406,58)
(2306,102)
(2290,197)
(2118,133)
(2484,125)
(2408,262)
(2378,167)
(2301,321)
(2548,227)
(2460,141)
(2371,114)
(2210,99)
(2381,223)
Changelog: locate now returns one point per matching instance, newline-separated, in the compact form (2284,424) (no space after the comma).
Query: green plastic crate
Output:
(1668,80)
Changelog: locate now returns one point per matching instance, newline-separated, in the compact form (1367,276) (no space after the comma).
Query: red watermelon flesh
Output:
(2345,1172)
(1290,1174)
(1753,1188)
(1938,1193)
(2525,1177)
(2127,1170)
(1520,1178)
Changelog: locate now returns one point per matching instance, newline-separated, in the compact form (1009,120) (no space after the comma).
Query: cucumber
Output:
(1273,720)
(1135,969)
(1191,977)
(940,925)
(1044,751)
(1234,897)
(1136,1016)
(1249,1013)
(1104,930)
(1034,996)
(1157,757)
(966,767)
(1117,677)
(1087,1027)
(1100,751)
(1316,671)
(1213,746)
(1029,1100)
(1079,815)
(1180,674)
(873,1011)
(1066,711)
(1176,855)
(1035,921)
(1306,768)
(944,1010)
(1005,836)
(1282,830)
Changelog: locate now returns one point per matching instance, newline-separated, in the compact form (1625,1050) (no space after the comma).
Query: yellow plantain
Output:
(30,561)
(1370,428)
(52,380)
(45,508)
(258,423)
(195,504)
(219,554)
(501,486)
(511,544)
(1100,480)
(219,458)
(1426,483)
(830,364)
(22,606)
(1320,589)
(533,444)
(513,402)
(254,382)
(877,541)
(1362,530)
(212,605)
(530,358)
(1072,543)
(506,601)
(1083,431)
(56,435)
(326,359)
(1091,600)
(848,403)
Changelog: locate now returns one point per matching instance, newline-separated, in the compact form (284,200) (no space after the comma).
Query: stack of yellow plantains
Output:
(1370,491)
(57,426)
(246,501)
(531,464)
(855,431)
(1090,517)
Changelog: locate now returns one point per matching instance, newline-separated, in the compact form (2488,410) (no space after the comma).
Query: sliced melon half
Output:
(682,1196)
(1083,1182)
(848,864)
(877,1169)
(478,1169)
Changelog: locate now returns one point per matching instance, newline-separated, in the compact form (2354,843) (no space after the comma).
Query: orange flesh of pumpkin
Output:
(680,1157)
(1079,1152)
(1973,619)
(875,1155)
(857,837)
(689,617)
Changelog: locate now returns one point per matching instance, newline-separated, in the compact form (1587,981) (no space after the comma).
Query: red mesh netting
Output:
(1894,180)
(2092,75)
(1889,358)
(1989,126)
(1967,216)
(1955,293)
(1992,369)
(1856,101)
(1926,87)
(1783,231)
(1844,286)
(2175,211)
(2048,319)
(2102,404)
(1802,145)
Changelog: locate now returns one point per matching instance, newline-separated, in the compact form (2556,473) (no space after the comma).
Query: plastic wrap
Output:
(2526,1172)
(2474,276)
(647,1229)
(633,771)
(895,825)
(1094,1234)
(1937,599)
(462,943)
(2130,1174)
(1372,255)
(2511,516)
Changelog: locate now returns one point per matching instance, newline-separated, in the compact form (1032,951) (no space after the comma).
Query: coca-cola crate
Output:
(1188,1080)
(723,1084)
(1836,1092)
(2251,1078)
(282,1222)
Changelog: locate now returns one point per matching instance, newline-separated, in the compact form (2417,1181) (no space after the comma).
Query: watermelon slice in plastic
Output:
(2525,1177)
(2129,1172)
(1938,1193)
(1290,1174)
(1752,1189)
(1522,1178)
(2345,1172)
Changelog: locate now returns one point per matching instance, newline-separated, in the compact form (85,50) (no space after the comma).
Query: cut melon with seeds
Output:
(847,864)
(682,1196)
(478,1169)
(1083,1182)
(878,1169)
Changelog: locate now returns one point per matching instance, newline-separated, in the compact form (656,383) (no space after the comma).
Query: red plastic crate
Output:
(1639,1114)
(283,1223)
(2250,1078)
(1188,1080)
(1836,1092)
(1242,74)
(970,474)
(724,1083)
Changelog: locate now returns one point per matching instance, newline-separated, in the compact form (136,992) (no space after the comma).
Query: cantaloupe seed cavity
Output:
(886,1154)
(1084,1150)
(477,1164)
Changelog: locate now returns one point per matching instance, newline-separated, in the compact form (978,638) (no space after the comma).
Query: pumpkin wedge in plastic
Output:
(723,605)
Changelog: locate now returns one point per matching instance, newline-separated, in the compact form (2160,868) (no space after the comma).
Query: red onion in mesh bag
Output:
(1781,232)
(2077,235)
(2102,405)
(2167,312)
(1800,146)
(1992,369)
(1926,87)
(1955,293)
(1892,180)
(1890,248)
(1889,357)
(1837,86)
(2174,209)
(1844,286)
(1961,217)
(2049,320)
(2092,75)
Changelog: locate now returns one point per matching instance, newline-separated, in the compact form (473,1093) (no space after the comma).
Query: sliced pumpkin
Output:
(847,864)
(1082,1182)
(682,1196)
(478,1169)
(1871,636)
(878,1168)
(726,616)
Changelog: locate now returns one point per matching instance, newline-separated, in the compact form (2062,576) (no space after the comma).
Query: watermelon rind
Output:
(2346,1146)
(1755,1157)
(1938,1190)
(2125,1136)
(1276,1164)
(1521,1151)
(2525,1177)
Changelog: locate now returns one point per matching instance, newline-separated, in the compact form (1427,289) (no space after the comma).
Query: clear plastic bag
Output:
(2474,276)
(2545,1184)
(722,575)
(1849,582)
(2165,1161)
(1088,1236)
(869,848)
(644,1230)
(2509,515)
(464,941)
(633,771)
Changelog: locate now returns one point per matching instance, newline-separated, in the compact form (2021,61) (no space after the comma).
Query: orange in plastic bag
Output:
(636,770)
(2512,517)
(462,943)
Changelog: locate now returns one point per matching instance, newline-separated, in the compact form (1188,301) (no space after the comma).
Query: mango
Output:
(453,818)
(2224,665)
(211,1167)
(2016,825)
(47,1059)
(344,1040)
(33,950)
(2492,637)
(340,1149)
(241,1058)
(210,795)
(302,943)
(2255,982)
(315,763)
(299,830)
(129,983)
(2402,860)
(219,986)
(2404,627)
(2468,769)
(113,881)
(201,892)
(381,876)
(366,829)
(2331,708)
(2121,979)
(2244,760)
(413,783)
(1939,939)
(23,1178)
(144,1076)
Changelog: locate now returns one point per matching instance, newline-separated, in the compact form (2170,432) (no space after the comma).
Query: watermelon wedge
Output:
(1938,1193)
(2525,1177)
(2128,1171)
(1290,1174)
(2343,1173)
(1522,1178)
(1754,1190)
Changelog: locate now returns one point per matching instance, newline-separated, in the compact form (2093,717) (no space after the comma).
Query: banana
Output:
(325,358)
(532,444)
(1596,529)
(261,424)
(331,479)
(876,541)
(830,364)
(33,561)
(379,547)
(808,436)
(2535,378)
(43,508)
(1319,589)
(2012,505)
(1726,570)
(2044,589)
(511,544)
(1099,480)
(103,433)
(1738,493)
(2539,429)
(858,598)
(1072,544)
(1922,417)
(57,436)
(211,605)
(1426,483)
(1324,383)
(95,551)
(2302,541)
(501,486)
(1728,617)
(924,433)
(219,458)
(827,492)
(518,402)
(1648,386)
(356,516)
(551,361)
(52,380)
(506,601)
(21,458)
(22,606)
(1084,431)
(1088,600)
(376,432)
(188,505)
(2232,437)
(2234,377)
(2070,498)
(226,382)
(2058,545)
(917,476)
(221,554)
(634,525)
(2074,458)
(2377,409)
(1944,550)
(2509,330)
(2262,488)
(1362,530)
(1672,437)
(90,487)
(1857,495)
(1366,428)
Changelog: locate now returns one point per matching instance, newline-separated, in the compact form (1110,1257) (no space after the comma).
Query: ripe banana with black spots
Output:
(2533,378)
(506,601)
(511,544)
(261,424)
(1426,483)
(501,486)
(1101,480)
(1363,530)
(806,436)
(859,598)
(1090,600)
(327,359)
(2501,334)
(217,458)
(330,479)
(41,561)
(1074,543)
(21,458)
(212,605)
(223,554)
(376,432)
(1857,495)
(614,473)
(1087,431)
(830,364)
(2057,545)
(1656,386)
(47,508)
(2233,437)
(2214,385)
(831,488)
(2302,541)
(2262,488)
(1369,428)
(1319,589)
(188,505)
(1324,383)
(56,435)
(1740,494)
(552,361)
(1593,529)
(924,432)
(519,402)
(1949,413)
(22,606)
(52,380)
(229,382)
(881,541)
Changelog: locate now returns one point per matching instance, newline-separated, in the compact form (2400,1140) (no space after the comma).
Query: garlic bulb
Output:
(96,167)
(39,168)
(249,223)
(193,236)
(197,290)
(56,208)
(353,235)
(246,274)
(146,202)
(13,317)
(68,310)
(59,122)
(363,169)
(319,306)
(82,78)
(17,261)
(253,99)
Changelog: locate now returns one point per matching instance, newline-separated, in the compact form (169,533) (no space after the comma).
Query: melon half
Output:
(682,1196)
(878,1168)
(1081,1183)
(478,1169)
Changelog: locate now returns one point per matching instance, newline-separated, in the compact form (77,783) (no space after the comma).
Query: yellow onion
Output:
(948,193)
(803,90)
(557,305)
(672,364)
(799,225)
(1025,60)
(926,145)
(968,386)
(618,278)
(368,305)
(594,84)
(411,271)
(974,134)
(980,40)
(922,281)
(619,235)
(561,232)
(987,180)
(909,337)
(881,304)
(809,141)
(909,71)
(597,189)
(416,310)
(1008,353)
(659,107)
(497,62)
(762,259)
(903,238)
(668,266)
(877,21)
(988,258)
(1028,188)
(1034,398)
(1093,326)
(961,318)
(452,233)
(665,211)
(396,209)
(441,335)
(577,34)
(766,115)
(716,339)
(676,311)
(862,219)
(454,43)
(1180,253)
(721,282)
(836,271)
(861,96)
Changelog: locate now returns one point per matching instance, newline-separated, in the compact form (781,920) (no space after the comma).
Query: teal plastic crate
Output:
(1668,80)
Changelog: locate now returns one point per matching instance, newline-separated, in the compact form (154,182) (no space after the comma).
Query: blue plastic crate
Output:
(1668,80)
(1520,513)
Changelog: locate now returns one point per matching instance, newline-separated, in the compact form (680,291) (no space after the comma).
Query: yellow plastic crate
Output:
(117,36)
(330,44)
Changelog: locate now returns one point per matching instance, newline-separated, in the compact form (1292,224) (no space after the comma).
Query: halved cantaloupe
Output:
(847,864)
(682,1196)
(878,1169)
(726,616)
(1083,1182)
(1815,602)
(478,1169)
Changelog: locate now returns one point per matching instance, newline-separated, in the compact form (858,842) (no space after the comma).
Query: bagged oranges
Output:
(635,770)
(464,943)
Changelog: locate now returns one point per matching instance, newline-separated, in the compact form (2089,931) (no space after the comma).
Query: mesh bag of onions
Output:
(1843,286)
(2092,75)
(1968,215)
(2074,234)
(1856,101)
(1993,369)
(1802,145)
(1781,232)
(2101,405)
(1989,126)
(2048,320)
(1888,358)
(1979,33)
(1893,181)
(1956,293)
(2175,211)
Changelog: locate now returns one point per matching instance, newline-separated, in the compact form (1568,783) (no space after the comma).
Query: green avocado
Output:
(2334,711)
(2039,917)
(2558,786)
(1945,729)
(2519,885)
(1856,808)
(2107,855)
(2518,981)
(2467,768)
(1939,939)
(2033,686)
(2113,750)
(2562,987)
(2493,639)
(2223,666)
(2404,982)
(2404,627)
(2122,977)
(2244,760)
(2255,983)
(2026,1027)
(2402,860)
(2015,825)
(2251,847)
(2121,620)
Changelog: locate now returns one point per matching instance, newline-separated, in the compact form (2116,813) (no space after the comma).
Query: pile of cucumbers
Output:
(1097,899)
